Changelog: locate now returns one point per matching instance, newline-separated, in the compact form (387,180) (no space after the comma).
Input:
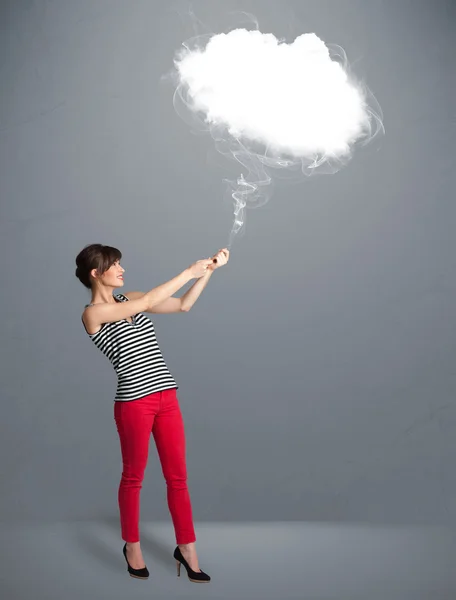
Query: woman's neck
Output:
(102,296)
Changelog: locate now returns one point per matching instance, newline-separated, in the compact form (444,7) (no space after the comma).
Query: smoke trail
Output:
(273,107)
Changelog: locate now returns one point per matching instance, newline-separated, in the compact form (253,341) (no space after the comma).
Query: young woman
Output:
(146,398)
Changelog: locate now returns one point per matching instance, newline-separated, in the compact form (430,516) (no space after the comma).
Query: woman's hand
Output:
(199,268)
(221,258)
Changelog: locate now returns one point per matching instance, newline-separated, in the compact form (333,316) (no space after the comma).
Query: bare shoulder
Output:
(88,322)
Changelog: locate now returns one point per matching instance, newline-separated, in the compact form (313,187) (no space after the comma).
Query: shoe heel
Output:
(197,577)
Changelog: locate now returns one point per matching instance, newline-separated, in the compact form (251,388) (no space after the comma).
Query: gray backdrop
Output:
(316,371)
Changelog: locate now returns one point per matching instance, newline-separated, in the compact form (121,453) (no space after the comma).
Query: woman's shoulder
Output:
(87,325)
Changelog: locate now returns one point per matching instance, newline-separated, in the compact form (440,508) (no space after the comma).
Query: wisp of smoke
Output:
(272,106)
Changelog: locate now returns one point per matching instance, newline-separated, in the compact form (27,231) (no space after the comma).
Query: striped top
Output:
(133,350)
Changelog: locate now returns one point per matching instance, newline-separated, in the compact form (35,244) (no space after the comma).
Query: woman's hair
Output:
(95,256)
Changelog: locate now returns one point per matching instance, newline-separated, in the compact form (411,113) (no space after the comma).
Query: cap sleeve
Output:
(121,297)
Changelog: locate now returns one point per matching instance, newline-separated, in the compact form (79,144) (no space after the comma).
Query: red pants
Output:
(160,414)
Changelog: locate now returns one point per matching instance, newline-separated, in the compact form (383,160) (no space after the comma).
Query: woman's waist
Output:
(126,372)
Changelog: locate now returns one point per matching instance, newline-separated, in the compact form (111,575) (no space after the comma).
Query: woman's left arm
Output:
(186,301)
(192,295)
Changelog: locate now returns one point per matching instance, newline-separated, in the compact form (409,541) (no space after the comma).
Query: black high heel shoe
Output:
(194,576)
(138,573)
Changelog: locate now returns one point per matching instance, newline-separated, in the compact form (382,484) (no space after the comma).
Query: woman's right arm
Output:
(105,312)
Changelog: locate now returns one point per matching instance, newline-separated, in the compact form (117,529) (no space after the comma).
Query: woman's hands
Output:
(201,267)
(219,259)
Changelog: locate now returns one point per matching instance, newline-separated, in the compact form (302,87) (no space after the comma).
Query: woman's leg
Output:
(169,435)
(134,422)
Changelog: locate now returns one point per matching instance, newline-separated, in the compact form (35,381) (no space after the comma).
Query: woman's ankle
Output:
(188,546)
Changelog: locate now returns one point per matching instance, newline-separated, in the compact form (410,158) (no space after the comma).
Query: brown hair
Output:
(95,256)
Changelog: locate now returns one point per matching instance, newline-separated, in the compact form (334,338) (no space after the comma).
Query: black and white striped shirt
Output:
(133,350)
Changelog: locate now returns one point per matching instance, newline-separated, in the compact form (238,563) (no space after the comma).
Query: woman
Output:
(146,399)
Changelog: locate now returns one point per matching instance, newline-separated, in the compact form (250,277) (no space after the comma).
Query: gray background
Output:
(316,371)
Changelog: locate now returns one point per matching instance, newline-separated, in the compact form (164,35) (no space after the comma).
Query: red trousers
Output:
(160,414)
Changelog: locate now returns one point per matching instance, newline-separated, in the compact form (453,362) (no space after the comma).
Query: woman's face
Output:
(114,275)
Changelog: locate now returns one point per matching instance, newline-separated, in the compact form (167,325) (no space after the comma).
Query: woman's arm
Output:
(170,305)
(184,304)
(175,305)
(192,295)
